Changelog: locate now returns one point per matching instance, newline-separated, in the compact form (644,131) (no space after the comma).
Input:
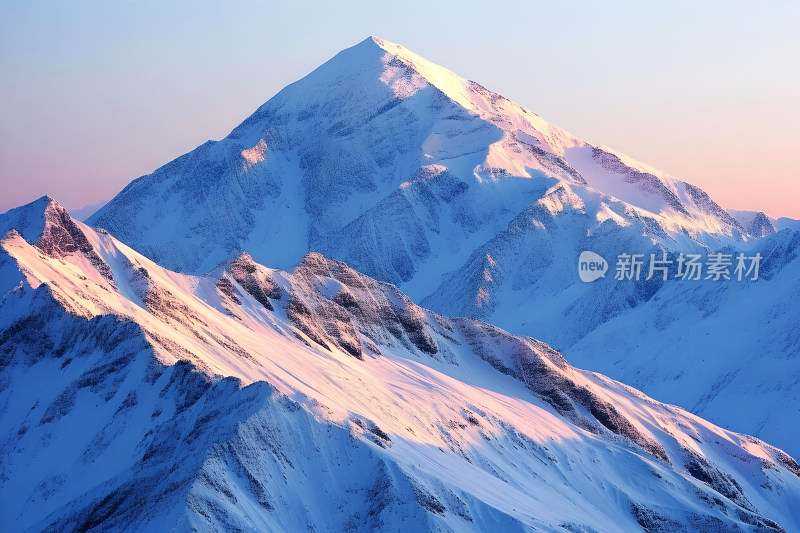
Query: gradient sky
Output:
(94,94)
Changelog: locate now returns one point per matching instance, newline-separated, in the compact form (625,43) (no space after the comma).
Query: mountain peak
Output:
(756,223)
(373,40)
(337,154)
(398,50)
(30,219)
(42,205)
(181,371)
(44,223)
(395,66)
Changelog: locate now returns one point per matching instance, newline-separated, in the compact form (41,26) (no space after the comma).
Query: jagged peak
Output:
(318,264)
(313,262)
(236,260)
(30,220)
(45,223)
(242,258)
(40,205)
(757,223)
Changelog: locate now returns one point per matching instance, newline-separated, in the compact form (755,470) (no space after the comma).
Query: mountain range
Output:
(476,206)
(317,398)
(360,311)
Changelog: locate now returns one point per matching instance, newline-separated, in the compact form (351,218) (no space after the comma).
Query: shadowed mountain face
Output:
(476,206)
(253,399)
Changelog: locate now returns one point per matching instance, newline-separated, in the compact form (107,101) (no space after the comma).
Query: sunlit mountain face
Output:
(360,311)
(250,398)
(475,206)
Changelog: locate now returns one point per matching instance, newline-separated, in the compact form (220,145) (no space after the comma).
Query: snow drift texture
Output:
(133,397)
(476,206)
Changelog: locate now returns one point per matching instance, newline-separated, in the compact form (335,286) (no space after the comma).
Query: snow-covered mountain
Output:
(756,223)
(399,167)
(729,352)
(476,206)
(249,398)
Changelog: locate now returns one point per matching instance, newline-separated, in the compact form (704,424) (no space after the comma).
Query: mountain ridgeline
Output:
(317,398)
(476,206)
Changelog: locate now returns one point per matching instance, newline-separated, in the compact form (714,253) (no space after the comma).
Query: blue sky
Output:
(94,94)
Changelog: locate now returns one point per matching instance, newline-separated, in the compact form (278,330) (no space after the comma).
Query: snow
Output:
(460,170)
(724,351)
(473,206)
(449,430)
(256,153)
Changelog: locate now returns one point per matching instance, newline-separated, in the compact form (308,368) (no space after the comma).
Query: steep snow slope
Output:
(474,206)
(726,351)
(389,162)
(135,397)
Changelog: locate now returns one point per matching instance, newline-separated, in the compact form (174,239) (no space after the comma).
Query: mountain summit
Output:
(476,206)
(380,149)
(355,383)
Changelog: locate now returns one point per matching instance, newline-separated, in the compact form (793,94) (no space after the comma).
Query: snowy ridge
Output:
(756,223)
(376,413)
(316,163)
(728,352)
(476,206)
